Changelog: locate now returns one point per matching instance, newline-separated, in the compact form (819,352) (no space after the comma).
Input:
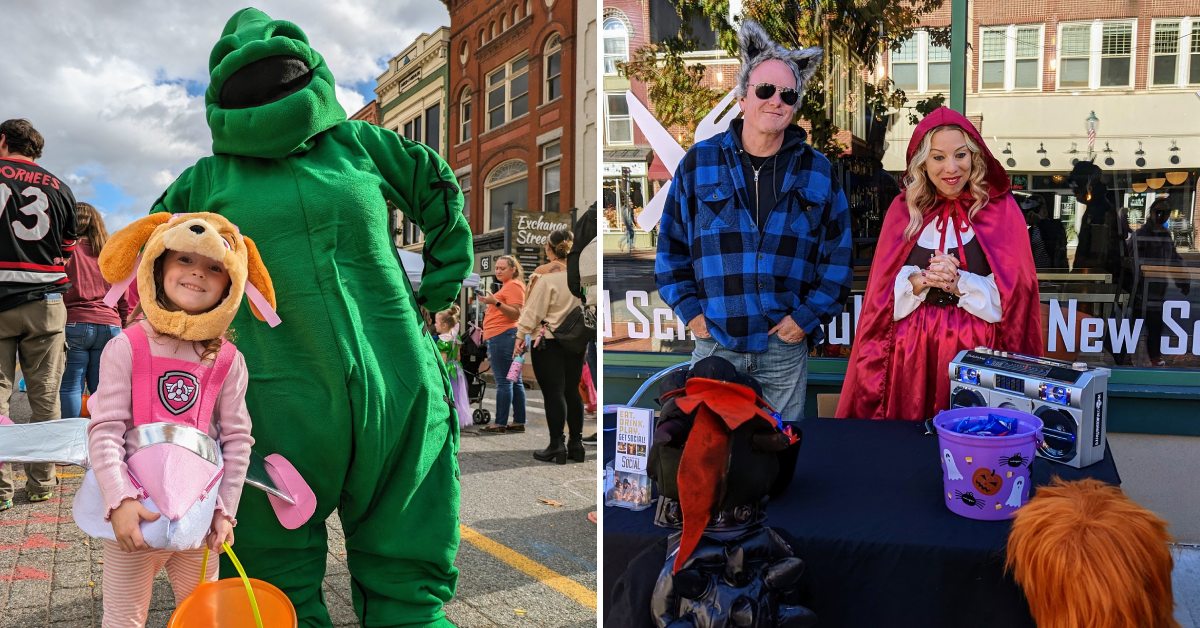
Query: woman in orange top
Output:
(500,334)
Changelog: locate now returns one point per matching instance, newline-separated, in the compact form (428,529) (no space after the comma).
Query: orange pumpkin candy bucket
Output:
(234,603)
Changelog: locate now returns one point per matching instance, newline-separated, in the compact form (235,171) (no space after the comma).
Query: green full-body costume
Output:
(349,388)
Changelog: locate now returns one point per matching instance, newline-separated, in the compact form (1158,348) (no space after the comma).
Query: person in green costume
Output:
(350,388)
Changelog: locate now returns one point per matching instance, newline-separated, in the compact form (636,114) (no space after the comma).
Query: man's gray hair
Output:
(757,47)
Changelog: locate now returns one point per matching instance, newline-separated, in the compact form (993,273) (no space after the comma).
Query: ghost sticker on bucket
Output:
(951,469)
(986,492)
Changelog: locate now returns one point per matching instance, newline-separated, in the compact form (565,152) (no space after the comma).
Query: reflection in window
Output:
(1074,66)
(551,170)
(992,57)
(938,69)
(553,63)
(1116,54)
(508,92)
(1166,53)
(904,65)
(433,128)
(616,43)
(1027,61)
(617,123)
(1194,73)
(464,115)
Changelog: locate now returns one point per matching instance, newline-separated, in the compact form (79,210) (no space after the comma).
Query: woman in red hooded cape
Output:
(908,332)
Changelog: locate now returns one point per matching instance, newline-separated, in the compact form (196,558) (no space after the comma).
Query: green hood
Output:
(270,93)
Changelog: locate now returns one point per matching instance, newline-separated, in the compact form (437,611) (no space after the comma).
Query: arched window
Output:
(493,29)
(482,37)
(553,65)
(616,43)
(516,15)
(504,22)
(507,187)
(464,115)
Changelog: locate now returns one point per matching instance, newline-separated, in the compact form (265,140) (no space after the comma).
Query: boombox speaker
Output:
(1070,398)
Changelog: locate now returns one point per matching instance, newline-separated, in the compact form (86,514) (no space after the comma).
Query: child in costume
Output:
(449,344)
(169,438)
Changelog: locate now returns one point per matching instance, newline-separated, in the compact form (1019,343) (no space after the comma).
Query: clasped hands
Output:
(126,520)
(942,273)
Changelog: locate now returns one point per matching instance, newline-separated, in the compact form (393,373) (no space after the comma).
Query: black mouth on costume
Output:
(264,81)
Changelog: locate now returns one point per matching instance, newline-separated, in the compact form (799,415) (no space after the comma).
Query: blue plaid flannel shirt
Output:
(712,259)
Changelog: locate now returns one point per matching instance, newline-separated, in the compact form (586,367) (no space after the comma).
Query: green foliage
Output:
(868,28)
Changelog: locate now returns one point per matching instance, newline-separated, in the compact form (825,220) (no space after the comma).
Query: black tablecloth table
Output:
(866,513)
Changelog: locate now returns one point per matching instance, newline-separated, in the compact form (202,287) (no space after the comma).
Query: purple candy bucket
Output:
(986,477)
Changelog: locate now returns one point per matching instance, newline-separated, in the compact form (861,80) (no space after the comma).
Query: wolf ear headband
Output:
(207,234)
(757,47)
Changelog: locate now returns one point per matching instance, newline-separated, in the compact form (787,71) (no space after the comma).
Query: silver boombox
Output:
(1070,398)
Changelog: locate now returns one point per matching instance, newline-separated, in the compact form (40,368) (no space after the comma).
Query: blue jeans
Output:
(85,342)
(500,355)
(782,371)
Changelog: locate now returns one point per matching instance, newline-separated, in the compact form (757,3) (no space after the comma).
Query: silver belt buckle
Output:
(189,438)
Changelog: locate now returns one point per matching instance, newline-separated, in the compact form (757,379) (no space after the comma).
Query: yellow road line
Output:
(564,585)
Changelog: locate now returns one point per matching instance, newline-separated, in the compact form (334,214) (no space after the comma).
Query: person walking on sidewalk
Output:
(500,334)
(557,366)
(37,211)
(91,323)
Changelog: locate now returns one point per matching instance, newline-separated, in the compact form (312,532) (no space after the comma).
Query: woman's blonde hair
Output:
(920,193)
(518,271)
(91,226)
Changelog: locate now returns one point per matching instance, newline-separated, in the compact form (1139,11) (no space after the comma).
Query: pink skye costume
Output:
(162,428)
(898,368)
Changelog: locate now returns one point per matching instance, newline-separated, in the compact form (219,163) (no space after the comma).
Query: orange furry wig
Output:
(1087,555)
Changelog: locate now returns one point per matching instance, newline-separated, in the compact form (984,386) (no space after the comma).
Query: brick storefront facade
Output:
(487,36)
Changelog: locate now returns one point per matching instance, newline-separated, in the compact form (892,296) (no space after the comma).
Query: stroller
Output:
(471,355)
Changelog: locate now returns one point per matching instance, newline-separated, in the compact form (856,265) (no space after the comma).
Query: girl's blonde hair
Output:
(518,271)
(450,313)
(920,193)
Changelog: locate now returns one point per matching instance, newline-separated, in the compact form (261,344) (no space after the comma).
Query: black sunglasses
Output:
(765,90)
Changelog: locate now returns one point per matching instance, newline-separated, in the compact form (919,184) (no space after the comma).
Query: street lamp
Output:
(1092,124)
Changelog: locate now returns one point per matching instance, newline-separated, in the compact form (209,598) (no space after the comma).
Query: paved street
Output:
(528,555)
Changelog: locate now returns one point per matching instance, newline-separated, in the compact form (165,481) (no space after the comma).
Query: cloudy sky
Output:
(117,86)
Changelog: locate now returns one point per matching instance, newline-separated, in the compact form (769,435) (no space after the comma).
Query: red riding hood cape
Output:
(1001,231)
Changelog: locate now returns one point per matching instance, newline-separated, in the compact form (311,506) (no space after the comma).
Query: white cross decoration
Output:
(668,150)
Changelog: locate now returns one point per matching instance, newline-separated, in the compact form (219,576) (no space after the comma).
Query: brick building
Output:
(411,94)
(1037,71)
(512,110)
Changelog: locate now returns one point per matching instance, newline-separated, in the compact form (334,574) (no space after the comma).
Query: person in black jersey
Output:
(37,238)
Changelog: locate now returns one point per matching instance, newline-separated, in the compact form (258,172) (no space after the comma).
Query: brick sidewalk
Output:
(50,571)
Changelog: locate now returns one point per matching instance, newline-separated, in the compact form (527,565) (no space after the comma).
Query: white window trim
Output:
(465,124)
(608,127)
(922,63)
(418,121)
(1183,55)
(1096,41)
(487,191)
(546,52)
(543,166)
(1010,58)
(603,37)
(508,79)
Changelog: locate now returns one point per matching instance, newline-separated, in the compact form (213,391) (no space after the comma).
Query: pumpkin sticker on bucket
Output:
(972,440)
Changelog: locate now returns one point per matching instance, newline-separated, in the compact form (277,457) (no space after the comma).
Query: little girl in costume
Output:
(448,342)
(169,438)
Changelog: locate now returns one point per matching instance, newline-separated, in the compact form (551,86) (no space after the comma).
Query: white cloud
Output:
(106,81)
